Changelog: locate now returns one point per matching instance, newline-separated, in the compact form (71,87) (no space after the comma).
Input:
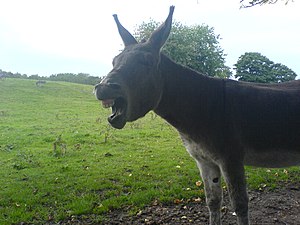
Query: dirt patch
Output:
(277,207)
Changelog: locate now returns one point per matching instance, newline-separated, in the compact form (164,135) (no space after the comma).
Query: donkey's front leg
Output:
(211,177)
(234,175)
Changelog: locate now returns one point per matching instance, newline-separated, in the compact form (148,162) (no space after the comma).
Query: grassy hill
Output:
(59,157)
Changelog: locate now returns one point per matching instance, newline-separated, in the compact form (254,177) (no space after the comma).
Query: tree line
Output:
(80,78)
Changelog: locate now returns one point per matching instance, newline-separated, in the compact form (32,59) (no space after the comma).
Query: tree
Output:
(254,67)
(282,73)
(195,46)
(252,3)
(11,75)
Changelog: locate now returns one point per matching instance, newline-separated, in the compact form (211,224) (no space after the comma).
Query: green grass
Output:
(59,157)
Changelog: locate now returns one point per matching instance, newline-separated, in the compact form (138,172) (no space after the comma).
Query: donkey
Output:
(224,124)
(40,83)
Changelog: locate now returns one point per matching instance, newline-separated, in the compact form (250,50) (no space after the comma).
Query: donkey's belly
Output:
(273,158)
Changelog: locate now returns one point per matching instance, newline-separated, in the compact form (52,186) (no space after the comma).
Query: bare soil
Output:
(277,207)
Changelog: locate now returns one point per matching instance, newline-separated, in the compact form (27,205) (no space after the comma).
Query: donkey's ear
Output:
(127,38)
(161,34)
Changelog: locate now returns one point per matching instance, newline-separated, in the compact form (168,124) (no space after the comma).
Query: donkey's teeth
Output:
(108,103)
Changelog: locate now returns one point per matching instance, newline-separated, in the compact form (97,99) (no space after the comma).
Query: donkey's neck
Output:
(190,101)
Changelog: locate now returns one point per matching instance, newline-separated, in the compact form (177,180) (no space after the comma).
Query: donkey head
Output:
(134,86)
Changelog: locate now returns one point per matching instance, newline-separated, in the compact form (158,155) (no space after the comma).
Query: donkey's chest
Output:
(197,150)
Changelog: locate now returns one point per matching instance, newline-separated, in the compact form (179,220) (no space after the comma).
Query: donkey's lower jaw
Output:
(117,121)
(118,117)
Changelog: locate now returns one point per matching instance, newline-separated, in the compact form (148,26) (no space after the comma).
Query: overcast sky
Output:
(58,36)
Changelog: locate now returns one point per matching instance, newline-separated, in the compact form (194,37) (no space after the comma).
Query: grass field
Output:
(59,157)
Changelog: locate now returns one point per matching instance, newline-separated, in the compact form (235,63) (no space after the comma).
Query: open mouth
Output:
(118,117)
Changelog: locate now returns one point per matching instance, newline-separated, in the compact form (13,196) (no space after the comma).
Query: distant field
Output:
(59,157)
